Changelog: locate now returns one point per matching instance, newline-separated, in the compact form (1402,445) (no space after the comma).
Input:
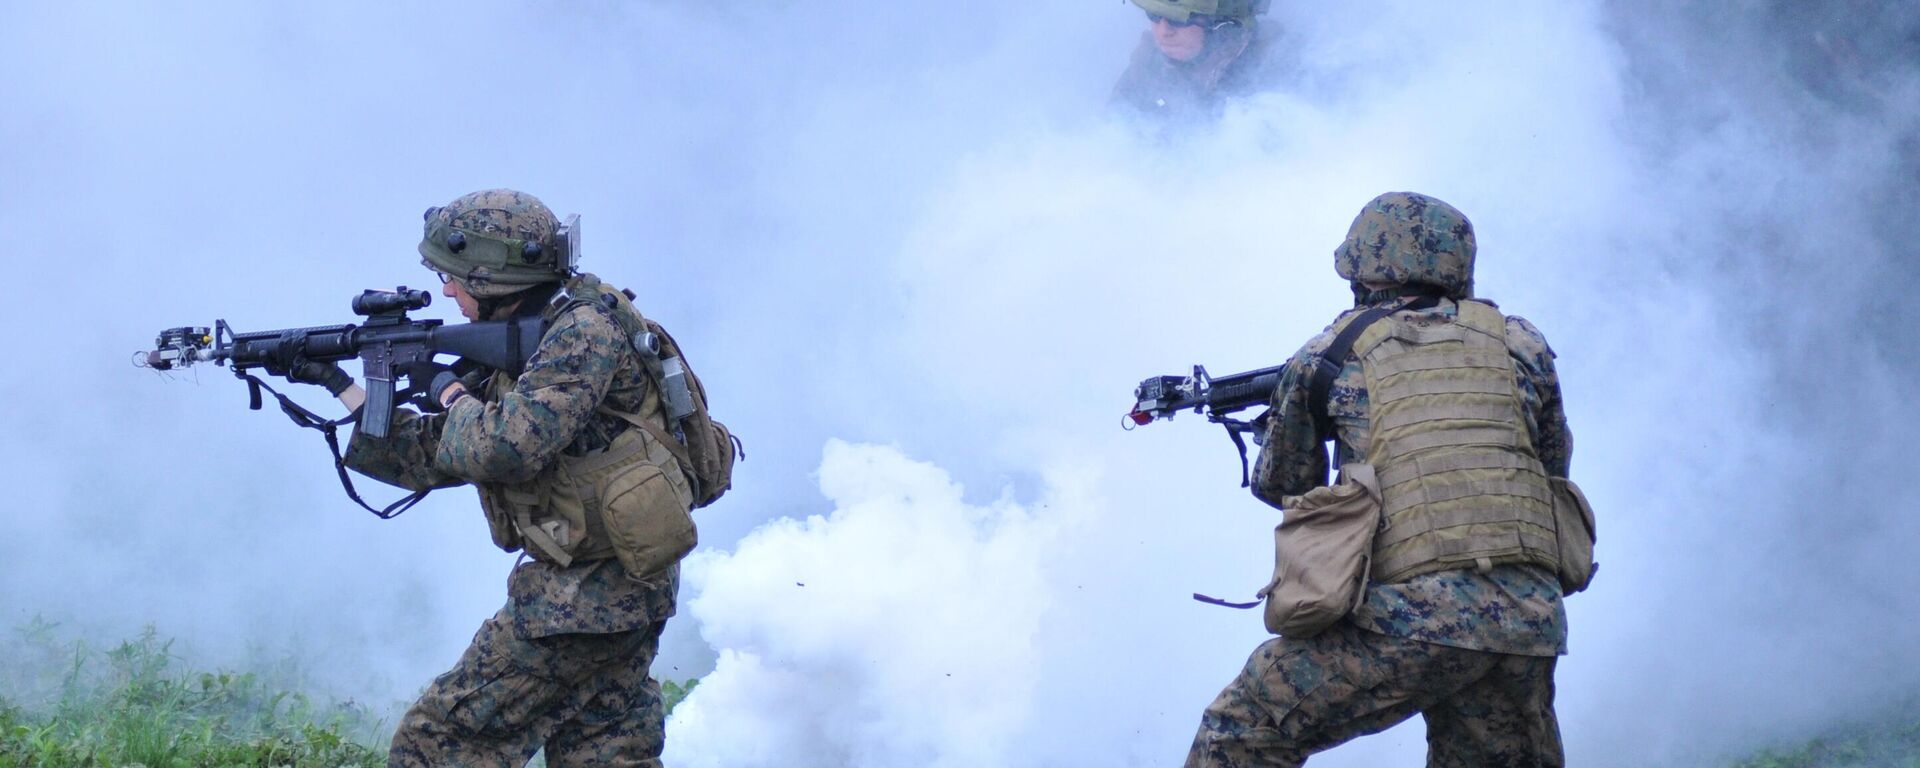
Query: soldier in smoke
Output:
(1455,409)
(1852,54)
(1193,54)
(564,665)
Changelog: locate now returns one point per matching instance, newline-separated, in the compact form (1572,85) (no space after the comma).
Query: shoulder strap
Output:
(673,444)
(1335,358)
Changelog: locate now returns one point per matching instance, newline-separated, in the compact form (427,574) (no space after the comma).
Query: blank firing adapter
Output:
(178,347)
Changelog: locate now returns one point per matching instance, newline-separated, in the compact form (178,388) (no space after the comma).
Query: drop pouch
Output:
(1574,534)
(647,521)
(644,502)
(1323,550)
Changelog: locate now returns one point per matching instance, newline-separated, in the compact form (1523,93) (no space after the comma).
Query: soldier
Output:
(1462,619)
(564,665)
(1193,53)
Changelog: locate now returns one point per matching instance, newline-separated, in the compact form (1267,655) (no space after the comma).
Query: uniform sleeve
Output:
(1293,459)
(405,456)
(1538,380)
(514,437)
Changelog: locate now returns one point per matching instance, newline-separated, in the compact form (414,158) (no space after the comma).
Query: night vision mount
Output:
(569,238)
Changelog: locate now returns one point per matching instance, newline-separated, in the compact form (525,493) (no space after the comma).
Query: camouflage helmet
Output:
(495,242)
(1183,11)
(1406,238)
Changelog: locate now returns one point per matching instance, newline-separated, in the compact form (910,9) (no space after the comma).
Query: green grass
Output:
(1893,743)
(70,705)
(64,704)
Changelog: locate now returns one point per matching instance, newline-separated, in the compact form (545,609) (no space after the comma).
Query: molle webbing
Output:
(558,515)
(1333,360)
(1433,465)
(1442,360)
(1460,483)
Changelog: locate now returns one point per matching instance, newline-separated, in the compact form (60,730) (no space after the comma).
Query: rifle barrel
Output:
(1243,390)
(1217,396)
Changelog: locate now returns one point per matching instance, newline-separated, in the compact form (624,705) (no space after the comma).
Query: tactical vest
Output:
(1461,486)
(630,500)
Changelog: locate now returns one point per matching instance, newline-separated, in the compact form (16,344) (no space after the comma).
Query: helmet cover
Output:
(1406,238)
(1184,11)
(495,242)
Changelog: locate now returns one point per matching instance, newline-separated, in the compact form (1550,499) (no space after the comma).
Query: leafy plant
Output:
(674,693)
(132,705)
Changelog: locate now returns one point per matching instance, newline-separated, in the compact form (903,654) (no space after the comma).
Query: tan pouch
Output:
(1323,549)
(647,519)
(500,512)
(1574,531)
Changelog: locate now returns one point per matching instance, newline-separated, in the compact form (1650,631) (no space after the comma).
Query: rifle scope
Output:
(371,302)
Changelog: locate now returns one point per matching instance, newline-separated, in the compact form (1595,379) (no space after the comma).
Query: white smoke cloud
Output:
(944,597)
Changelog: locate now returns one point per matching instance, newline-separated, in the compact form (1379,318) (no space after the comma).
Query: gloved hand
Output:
(324,374)
(430,380)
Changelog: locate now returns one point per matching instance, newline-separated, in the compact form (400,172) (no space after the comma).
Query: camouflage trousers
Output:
(587,698)
(1299,696)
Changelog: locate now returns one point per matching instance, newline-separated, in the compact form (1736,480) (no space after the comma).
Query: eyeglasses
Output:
(1154,18)
(444,277)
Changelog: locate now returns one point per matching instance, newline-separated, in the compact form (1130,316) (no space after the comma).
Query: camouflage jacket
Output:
(1155,85)
(1513,609)
(583,361)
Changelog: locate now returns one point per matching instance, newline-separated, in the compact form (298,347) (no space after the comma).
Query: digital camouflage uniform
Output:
(1160,87)
(1473,652)
(564,664)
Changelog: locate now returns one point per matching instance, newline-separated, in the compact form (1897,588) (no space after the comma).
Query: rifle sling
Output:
(1334,359)
(329,427)
(1240,443)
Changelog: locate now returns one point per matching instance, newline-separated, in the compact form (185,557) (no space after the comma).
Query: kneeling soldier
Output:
(1456,408)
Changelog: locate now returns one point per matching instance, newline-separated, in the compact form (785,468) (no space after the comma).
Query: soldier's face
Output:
(1180,42)
(469,306)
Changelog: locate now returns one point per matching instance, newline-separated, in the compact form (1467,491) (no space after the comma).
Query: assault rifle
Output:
(1217,398)
(387,343)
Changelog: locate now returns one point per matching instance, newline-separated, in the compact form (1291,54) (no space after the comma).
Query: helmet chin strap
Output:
(1364,296)
(531,300)
(1213,39)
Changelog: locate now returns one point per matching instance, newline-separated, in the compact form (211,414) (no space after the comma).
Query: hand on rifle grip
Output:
(428,381)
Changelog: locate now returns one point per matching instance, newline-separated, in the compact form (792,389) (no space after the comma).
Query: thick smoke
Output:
(866,227)
(943,595)
(1652,241)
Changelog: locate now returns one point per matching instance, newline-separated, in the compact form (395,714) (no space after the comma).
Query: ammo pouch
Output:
(1574,531)
(629,501)
(1323,550)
